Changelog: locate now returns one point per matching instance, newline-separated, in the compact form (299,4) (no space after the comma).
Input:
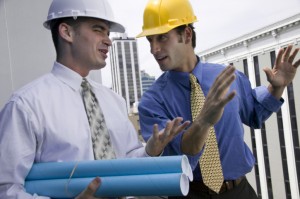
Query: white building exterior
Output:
(276,145)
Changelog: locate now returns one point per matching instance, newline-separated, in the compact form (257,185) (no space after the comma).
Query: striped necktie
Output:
(210,163)
(102,146)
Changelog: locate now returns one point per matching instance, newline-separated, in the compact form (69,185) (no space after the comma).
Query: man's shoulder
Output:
(104,90)
(209,65)
(157,90)
(160,83)
(31,88)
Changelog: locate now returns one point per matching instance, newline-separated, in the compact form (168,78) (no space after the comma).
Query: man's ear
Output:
(188,34)
(66,32)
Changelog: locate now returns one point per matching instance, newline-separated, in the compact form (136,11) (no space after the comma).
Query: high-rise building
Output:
(147,80)
(276,146)
(125,70)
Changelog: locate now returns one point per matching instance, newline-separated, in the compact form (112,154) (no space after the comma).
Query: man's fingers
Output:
(269,73)
(292,57)
(174,127)
(177,121)
(279,57)
(297,63)
(286,53)
(229,97)
(227,82)
(182,127)
(92,187)
(229,70)
(169,126)
(222,85)
(155,131)
(224,80)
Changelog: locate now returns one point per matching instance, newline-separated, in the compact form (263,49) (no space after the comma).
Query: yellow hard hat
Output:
(161,16)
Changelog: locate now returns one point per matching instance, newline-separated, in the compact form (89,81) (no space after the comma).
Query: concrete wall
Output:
(26,48)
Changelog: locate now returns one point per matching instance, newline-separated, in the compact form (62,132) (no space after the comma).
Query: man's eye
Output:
(163,37)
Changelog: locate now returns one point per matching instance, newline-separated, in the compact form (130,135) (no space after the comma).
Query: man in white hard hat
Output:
(214,142)
(49,120)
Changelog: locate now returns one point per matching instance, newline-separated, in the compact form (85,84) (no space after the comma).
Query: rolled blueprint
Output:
(168,184)
(113,167)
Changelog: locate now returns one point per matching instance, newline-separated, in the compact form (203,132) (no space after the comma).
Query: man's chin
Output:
(163,65)
(163,68)
(100,66)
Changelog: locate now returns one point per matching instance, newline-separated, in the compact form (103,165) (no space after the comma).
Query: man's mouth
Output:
(160,58)
(104,51)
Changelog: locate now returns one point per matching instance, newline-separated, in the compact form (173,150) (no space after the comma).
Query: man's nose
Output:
(155,47)
(107,41)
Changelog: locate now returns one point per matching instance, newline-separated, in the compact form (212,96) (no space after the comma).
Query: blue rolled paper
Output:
(113,167)
(170,184)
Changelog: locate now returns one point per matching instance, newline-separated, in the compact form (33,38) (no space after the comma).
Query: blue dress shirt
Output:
(169,97)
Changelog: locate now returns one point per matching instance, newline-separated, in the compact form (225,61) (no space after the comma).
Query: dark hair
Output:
(54,24)
(181,28)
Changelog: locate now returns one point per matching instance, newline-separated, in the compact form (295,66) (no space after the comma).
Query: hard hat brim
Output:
(114,26)
(155,31)
(159,30)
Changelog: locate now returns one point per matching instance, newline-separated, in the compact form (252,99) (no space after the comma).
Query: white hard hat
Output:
(99,9)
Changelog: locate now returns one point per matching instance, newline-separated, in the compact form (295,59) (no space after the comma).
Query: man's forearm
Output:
(194,138)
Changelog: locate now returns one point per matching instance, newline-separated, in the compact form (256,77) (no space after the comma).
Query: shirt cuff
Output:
(264,97)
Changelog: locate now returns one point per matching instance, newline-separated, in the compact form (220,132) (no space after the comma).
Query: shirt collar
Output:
(198,71)
(183,78)
(66,75)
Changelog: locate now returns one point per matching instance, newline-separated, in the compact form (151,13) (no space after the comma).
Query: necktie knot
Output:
(197,97)
(193,81)
(85,84)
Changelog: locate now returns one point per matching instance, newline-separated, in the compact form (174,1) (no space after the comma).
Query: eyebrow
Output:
(99,26)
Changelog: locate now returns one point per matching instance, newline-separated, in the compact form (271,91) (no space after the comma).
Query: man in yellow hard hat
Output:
(215,139)
(64,115)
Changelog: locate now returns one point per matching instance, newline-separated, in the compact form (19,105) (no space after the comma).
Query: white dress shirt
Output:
(45,121)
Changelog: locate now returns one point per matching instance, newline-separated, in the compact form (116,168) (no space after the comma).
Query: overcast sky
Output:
(218,22)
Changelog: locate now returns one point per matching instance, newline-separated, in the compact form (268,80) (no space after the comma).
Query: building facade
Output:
(276,145)
(125,70)
(147,80)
